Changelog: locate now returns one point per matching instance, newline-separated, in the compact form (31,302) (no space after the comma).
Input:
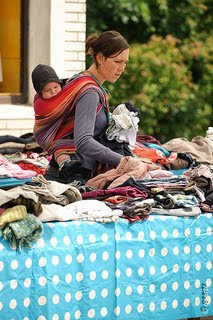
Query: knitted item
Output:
(12,214)
(22,233)
(43,74)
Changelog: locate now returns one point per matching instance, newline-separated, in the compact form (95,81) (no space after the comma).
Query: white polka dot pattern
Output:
(159,268)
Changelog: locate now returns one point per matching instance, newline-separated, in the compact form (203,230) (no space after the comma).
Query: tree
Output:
(169,76)
(139,19)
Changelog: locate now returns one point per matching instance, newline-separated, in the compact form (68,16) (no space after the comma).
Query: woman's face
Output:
(110,69)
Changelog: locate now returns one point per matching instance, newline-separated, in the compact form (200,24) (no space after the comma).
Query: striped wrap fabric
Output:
(54,118)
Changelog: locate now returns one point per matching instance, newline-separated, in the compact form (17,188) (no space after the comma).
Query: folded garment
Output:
(6,183)
(22,233)
(91,210)
(54,192)
(31,206)
(180,212)
(12,214)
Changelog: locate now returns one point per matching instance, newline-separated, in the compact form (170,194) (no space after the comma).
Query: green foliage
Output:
(139,19)
(158,81)
(199,58)
(169,76)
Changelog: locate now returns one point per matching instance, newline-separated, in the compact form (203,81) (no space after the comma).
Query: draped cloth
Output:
(54,118)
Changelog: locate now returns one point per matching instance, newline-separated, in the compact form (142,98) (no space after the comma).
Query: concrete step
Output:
(16,119)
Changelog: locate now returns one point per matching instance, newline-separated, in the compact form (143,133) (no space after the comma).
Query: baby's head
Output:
(45,81)
(50,90)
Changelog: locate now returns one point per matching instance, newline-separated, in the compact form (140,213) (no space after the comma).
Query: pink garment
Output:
(158,174)
(128,167)
(13,170)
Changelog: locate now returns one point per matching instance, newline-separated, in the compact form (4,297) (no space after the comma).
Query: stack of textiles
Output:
(12,144)
(134,190)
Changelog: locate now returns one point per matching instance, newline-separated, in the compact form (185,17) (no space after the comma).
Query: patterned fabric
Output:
(12,214)
(22,233)
(54,118)
(156,269)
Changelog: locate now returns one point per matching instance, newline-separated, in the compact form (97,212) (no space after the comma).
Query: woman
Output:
(90,111)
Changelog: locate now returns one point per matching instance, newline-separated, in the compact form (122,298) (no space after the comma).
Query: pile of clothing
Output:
(175,178)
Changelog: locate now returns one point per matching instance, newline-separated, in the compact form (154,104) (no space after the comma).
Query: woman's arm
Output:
(89,124)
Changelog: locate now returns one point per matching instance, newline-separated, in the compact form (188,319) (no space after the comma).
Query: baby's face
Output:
(50,90)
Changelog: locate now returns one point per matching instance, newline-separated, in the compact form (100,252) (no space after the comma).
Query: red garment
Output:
(116,199)
(33,167)
(146,138)
(157,156)
(135,218)
(126,191)
(54,118)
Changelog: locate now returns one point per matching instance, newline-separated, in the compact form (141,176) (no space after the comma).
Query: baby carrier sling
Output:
(54,118)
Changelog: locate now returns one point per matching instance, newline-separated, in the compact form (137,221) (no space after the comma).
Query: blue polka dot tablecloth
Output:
(160,268)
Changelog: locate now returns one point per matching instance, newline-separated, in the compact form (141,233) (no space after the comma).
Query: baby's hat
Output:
(43,74)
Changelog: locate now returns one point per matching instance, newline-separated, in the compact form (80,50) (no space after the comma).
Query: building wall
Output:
(75,34)
(56,37)
(16,120)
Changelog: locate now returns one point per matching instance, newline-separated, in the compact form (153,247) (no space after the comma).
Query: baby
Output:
(47,85)
(45,81)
